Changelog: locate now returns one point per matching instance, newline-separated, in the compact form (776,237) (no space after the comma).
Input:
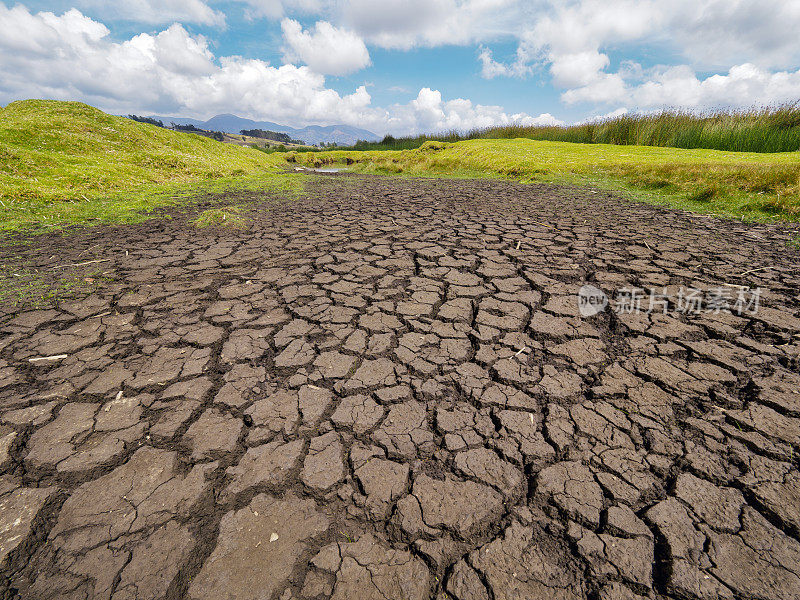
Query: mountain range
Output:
(344,135)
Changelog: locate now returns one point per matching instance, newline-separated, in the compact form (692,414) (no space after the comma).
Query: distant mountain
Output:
(344,135)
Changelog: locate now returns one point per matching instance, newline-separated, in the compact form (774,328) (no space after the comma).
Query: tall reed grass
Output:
(769,129)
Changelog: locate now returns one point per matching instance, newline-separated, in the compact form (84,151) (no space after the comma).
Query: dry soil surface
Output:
(384,390)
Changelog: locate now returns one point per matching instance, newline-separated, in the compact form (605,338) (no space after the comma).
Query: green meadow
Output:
(66,163)
(768,129)
(745,185)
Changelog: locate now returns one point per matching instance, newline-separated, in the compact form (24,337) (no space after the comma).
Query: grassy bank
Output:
(67,163)
(753,186)
(772,129)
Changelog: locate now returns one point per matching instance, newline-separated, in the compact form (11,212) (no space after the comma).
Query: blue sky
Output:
(402,66)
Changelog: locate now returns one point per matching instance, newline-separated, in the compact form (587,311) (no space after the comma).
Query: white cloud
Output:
(745,84)
(490,68)
(156,12)
(543,119)
(396,23)
(604,88)
(277,9)
(569,38)
(680,87)
(326,49)
(578,68)
(719,33)
(745,39)
(572,27)
(72,57)
(429,112)
(405,24)
(38,35)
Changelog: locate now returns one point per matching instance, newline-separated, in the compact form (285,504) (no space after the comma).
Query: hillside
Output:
(344,135)
(51,150)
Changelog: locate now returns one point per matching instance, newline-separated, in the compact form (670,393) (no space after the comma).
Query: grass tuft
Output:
(228,217)
(703,195)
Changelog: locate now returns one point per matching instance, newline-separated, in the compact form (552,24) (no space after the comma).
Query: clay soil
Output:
(385,390)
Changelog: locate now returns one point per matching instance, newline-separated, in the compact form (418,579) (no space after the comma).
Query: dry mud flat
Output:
(384,390)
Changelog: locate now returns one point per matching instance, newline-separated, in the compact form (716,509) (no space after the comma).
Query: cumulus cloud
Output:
(744,84)
(325,49)
(752,46)
(576,69)
(430,112)
(528,121)
(680,86)
(569,38)
(73,57)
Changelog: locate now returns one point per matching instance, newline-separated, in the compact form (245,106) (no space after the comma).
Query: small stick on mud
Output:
(755,271)
(89,248)
(525,349)
(47,358)
(519,242)
(648,245)
(88,262)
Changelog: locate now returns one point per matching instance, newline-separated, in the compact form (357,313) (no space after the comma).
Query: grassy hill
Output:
(747,185)
(59,160)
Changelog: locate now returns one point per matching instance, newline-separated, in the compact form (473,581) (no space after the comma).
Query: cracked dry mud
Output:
(384,390)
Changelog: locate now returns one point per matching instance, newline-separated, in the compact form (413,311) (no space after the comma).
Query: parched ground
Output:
(384,390)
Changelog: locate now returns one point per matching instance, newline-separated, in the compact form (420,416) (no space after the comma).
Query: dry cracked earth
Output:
(384,390)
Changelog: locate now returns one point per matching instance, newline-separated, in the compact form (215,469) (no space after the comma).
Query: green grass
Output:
(65,163)
(228,217)
(752,186)
(31,288)
(770,129)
